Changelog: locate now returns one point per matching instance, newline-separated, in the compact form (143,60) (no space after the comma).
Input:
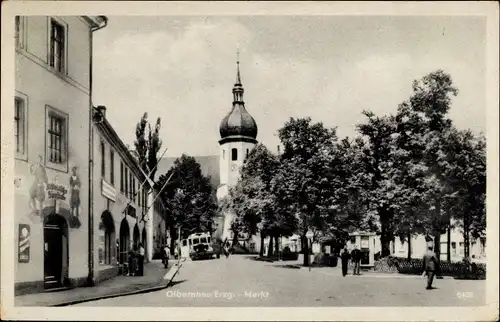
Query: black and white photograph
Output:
(315,159)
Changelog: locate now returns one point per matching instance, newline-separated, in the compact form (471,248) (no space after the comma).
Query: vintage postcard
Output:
(250,160)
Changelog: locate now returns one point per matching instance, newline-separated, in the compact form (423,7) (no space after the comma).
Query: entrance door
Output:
(53,255)
(124,241)
(55,251)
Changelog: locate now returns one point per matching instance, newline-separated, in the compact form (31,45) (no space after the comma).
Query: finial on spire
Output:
(238,78)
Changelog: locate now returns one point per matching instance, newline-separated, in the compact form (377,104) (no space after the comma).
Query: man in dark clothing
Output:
(345,256)
(356,258)
(430,265)
(165,254)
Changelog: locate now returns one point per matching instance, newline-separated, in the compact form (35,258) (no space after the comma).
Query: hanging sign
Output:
(24,243)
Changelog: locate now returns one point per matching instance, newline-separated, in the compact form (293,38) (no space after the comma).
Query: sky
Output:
(330,68)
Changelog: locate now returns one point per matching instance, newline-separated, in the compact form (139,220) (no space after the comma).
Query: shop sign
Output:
(24,243)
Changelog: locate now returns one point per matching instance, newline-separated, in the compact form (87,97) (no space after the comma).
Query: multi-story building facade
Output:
(160,229)
(121,200)
(52,118)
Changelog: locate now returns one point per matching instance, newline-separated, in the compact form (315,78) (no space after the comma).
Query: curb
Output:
(141,291)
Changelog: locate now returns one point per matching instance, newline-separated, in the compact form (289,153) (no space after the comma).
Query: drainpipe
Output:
(90,277)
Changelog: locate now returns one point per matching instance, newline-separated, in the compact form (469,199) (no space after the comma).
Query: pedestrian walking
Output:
(166,251)
(356,259)
(345,256)
(430,265)
(140,260)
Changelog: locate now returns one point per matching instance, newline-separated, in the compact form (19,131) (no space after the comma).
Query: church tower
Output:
(238,132)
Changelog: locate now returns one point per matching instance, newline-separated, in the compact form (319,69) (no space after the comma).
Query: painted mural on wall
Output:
(39,185)
(50,196)
(75,185)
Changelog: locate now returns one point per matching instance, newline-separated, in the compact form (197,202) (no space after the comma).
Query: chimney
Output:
(102,110)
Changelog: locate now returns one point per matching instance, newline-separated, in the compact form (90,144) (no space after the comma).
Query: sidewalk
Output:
(153,279)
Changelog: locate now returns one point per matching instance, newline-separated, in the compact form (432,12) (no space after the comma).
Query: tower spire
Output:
(238,77)
(238,87)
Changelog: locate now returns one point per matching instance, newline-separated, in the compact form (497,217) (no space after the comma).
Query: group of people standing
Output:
(136,260)
(354,256)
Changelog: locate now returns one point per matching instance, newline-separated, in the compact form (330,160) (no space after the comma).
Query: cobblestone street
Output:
(242,281)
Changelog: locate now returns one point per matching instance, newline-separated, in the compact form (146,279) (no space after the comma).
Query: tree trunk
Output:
(306,250)
(173,238)
(386,234)
(277,245)
(235,238)
(385,241)
(270,246)
(466,235)
(448,244)
(409,246)
(437,250)
(261,251)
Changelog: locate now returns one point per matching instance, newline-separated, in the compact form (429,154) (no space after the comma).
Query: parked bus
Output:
(198,246)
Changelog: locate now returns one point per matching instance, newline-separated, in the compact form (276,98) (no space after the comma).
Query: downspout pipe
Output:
(90,277)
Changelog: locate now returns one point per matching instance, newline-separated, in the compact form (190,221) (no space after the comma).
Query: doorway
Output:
(55,251)
(107,245)
(124,243)
(136,236)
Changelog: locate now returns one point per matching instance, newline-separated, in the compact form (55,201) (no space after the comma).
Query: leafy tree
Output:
(377,134)
(352,183)
(302,185)
(147,145)
(188,196)
(464,165)
(251,199)
(431,99)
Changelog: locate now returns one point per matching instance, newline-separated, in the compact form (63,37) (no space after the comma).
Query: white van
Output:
(197,246)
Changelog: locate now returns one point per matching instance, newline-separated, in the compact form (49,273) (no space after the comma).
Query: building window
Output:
(133,189)
(126,182)
(57,46)
(103,161)
(20,126)
(130,175)
(121,177)
(247,153)
(19,31)
(139,197)
(57,138)
(223,154)
(234,154)
(112,167)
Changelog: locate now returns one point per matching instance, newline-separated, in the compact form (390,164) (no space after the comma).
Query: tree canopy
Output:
(188,196)
(147,145)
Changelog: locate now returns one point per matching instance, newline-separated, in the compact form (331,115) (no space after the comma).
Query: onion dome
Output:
(238,124)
